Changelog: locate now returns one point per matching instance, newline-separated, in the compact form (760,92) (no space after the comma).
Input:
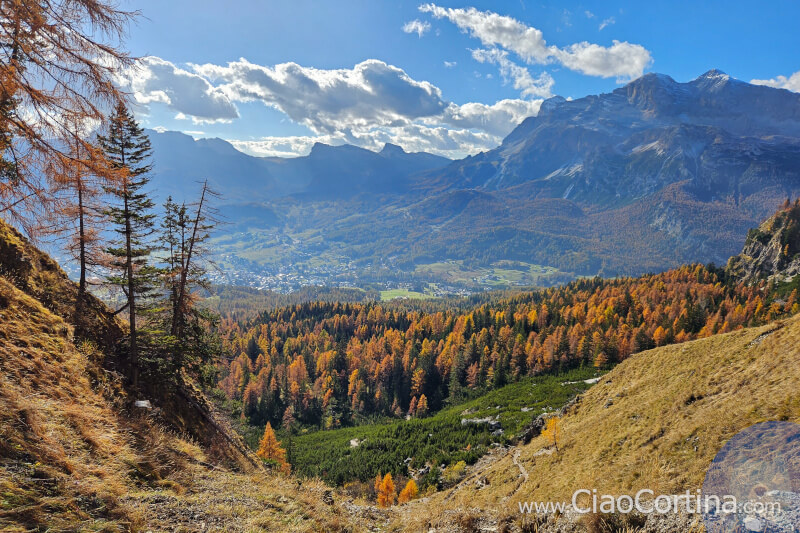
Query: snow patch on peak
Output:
(713,74)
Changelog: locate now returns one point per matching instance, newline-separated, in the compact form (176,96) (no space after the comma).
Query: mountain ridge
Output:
(652,175)
(180,160)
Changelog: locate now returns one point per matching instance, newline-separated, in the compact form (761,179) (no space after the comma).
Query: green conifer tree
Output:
(127,147)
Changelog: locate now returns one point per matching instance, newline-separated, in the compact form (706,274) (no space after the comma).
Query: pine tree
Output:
(270,449)
(192,330)
(128,149)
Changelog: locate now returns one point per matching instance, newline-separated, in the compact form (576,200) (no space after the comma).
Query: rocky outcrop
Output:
(772,251)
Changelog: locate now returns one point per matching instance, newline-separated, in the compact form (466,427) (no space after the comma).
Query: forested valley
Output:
(327,365)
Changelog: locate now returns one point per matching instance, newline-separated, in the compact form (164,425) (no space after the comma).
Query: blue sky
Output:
(454,81)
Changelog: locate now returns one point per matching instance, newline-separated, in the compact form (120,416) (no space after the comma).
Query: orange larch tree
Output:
(409,492)
(386,491)
(58,62)
(269,449)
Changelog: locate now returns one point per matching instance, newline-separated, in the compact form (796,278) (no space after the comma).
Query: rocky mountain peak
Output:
(713,74)
(392,149)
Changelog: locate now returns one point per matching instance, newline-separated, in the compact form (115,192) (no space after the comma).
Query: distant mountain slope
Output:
(649,176)
(339,171)
(180,162)
(656,421)
(646,177)
(726,138)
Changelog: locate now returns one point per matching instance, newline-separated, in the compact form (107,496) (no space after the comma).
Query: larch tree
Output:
(422,406)
(386,491)
(58,61)
(128,149)
(269,449)
(78,217)
(409,492)
(552,431)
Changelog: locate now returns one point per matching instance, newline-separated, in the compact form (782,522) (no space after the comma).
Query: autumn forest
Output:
(326,365)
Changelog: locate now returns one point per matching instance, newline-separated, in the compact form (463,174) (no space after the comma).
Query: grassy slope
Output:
(72,457)
(438,439)
(656,421)
(65,457)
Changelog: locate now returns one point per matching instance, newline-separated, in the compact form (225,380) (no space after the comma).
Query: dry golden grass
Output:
(224,501)
(36,274)
(656,421)
(61,450)
(72,459)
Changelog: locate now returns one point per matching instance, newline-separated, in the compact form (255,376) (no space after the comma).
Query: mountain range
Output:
(327,171)
(654,174)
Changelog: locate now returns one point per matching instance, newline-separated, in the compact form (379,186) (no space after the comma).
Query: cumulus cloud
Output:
(520,76)
(622,60)
(606,23)
(493,29)
(372,92)
(791,83)
(497,119)
(450,64)
(157,80)
(290,146)
(417,26)
(459,131)
(368,105)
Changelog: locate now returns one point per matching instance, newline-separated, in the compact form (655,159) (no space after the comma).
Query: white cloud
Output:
(283,146)
(450,64)
(459,131)
(606,23)
(326,101)
(368,105)
(417,26)
(528,86)
(157,80)
(449,142)
(589,14)
(493,29)
(497,119)
(622,60)
(791,83)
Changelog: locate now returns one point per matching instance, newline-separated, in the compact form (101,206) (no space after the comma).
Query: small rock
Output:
(753,524)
